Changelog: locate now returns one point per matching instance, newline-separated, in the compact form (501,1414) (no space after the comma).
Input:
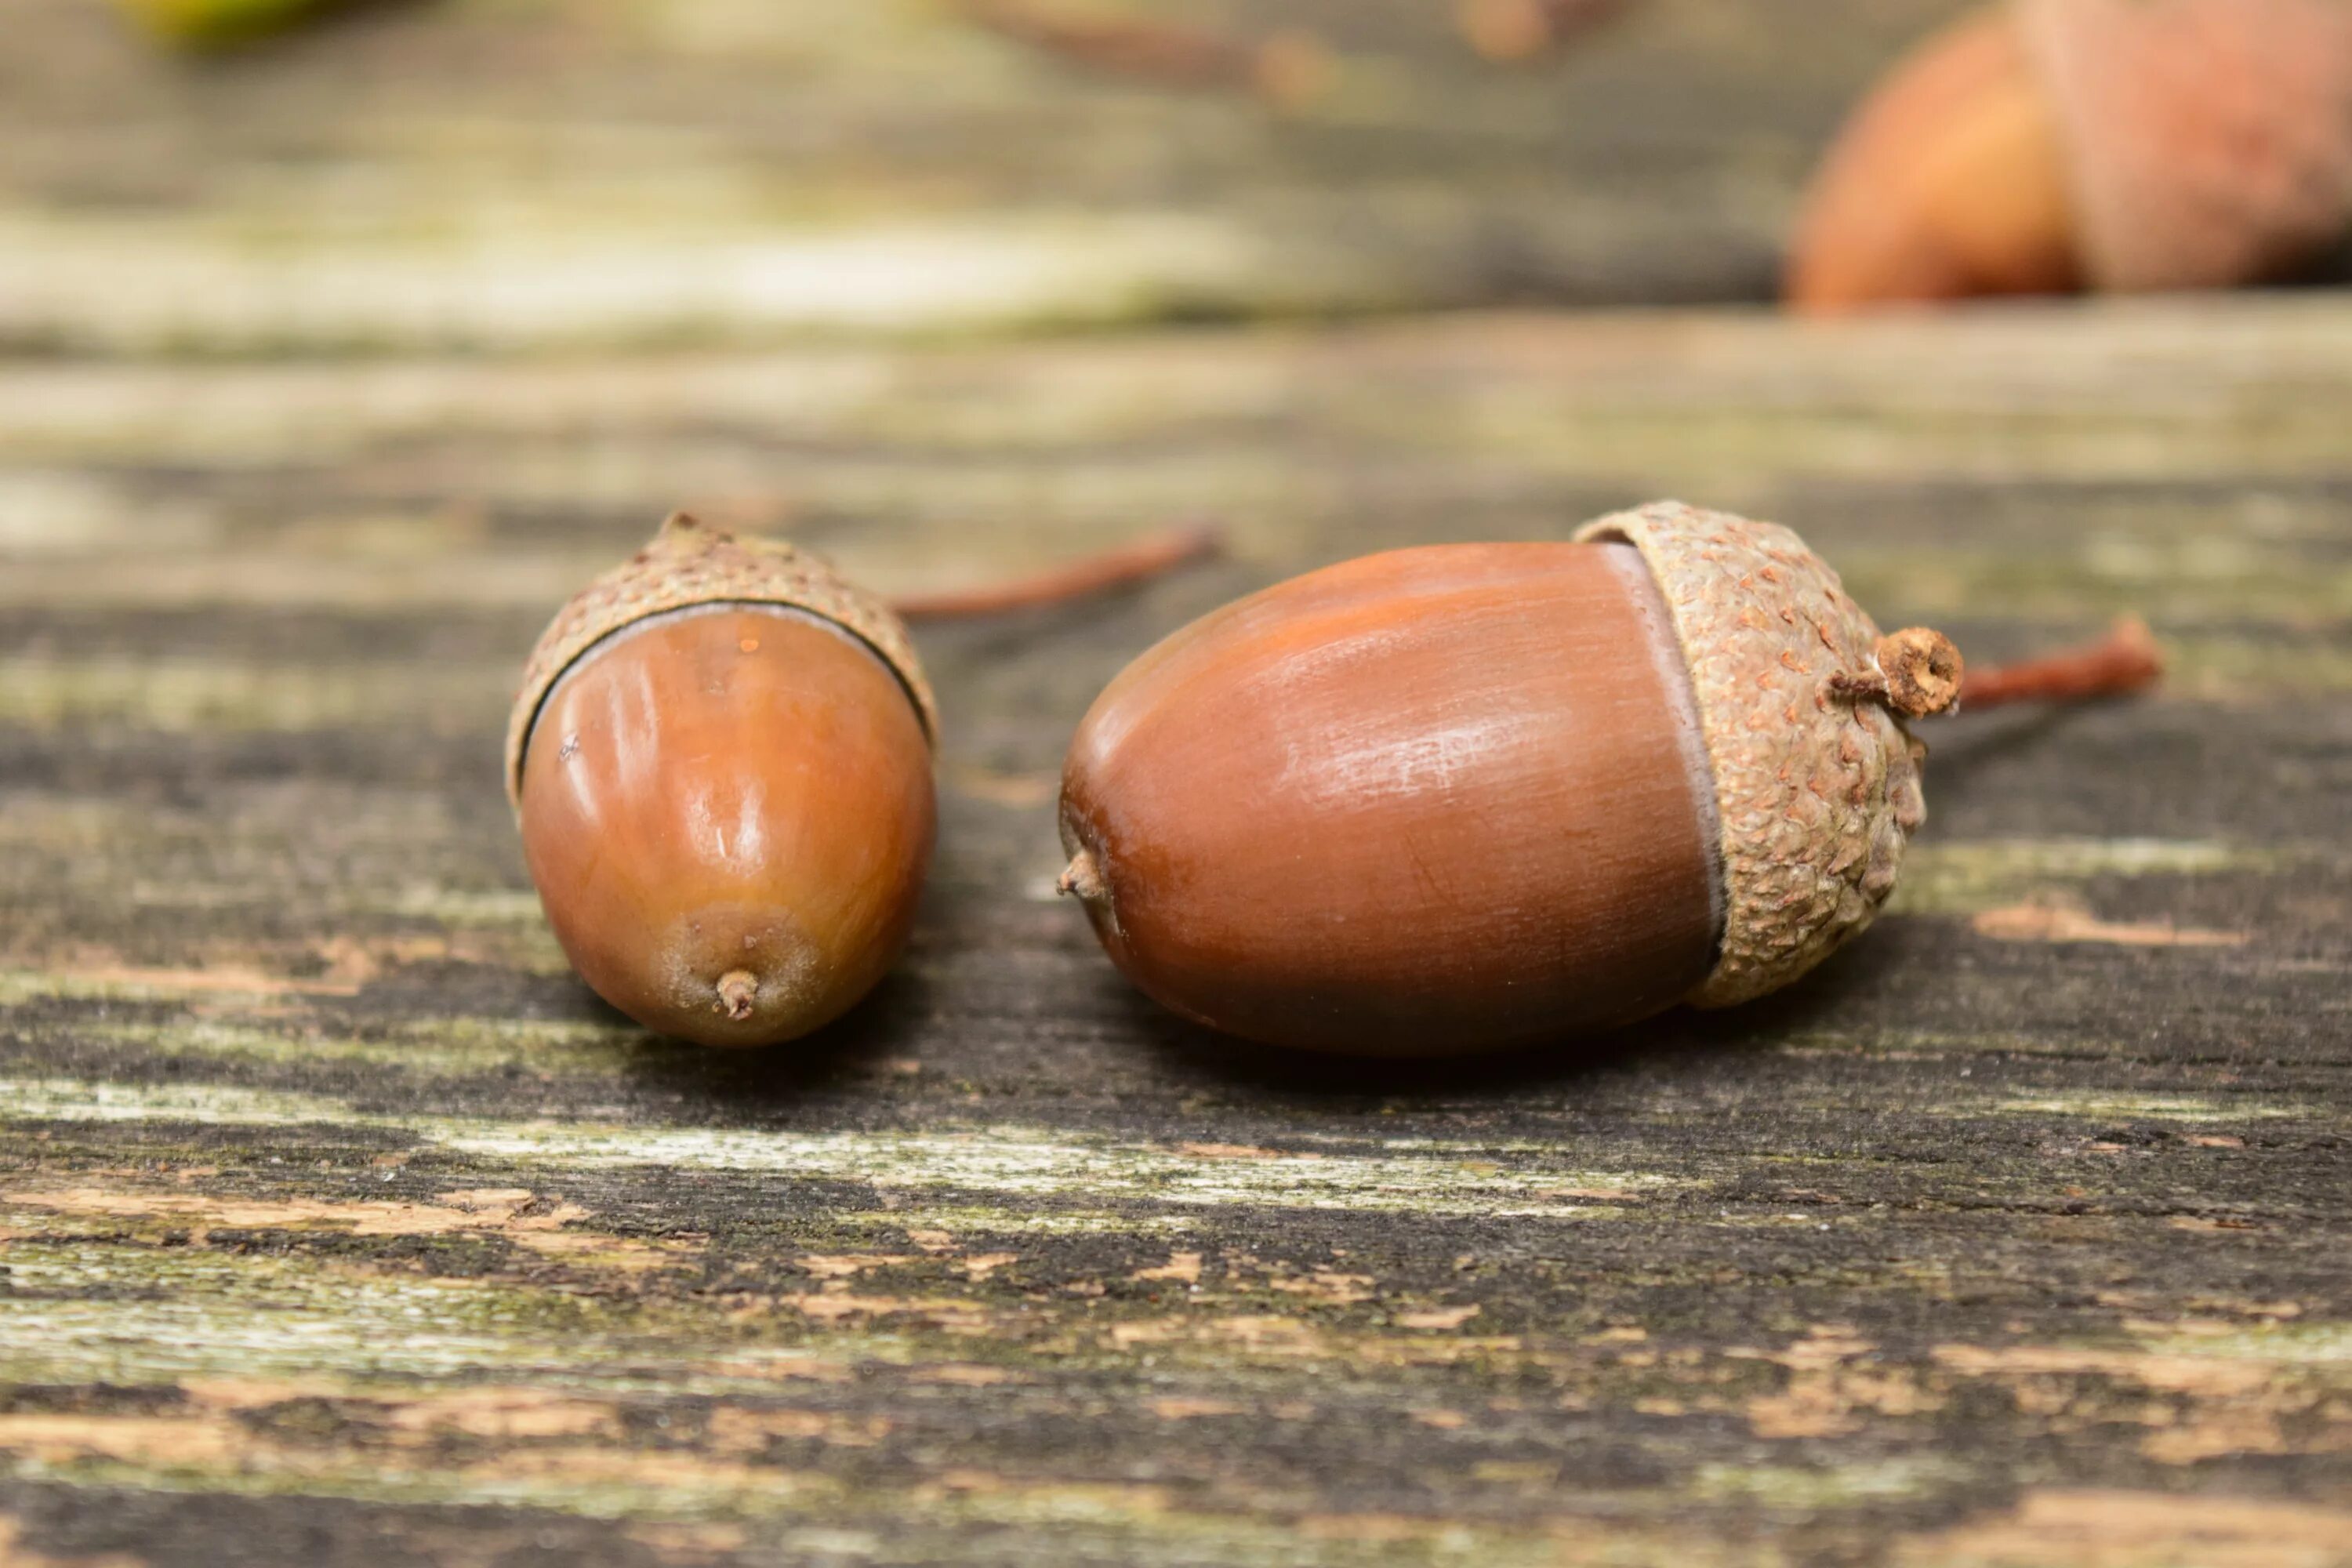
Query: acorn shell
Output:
(1945,182)
(1816,794)
(687,563)
(2208,141)
(1423,802)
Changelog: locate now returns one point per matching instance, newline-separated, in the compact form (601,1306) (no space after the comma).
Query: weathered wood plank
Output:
(340,1224)
(552,173)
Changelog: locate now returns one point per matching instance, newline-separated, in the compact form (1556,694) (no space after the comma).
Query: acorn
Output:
(2043,146)
(221,23)
(720,764)
(1466,796)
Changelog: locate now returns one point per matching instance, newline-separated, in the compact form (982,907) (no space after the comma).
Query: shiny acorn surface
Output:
(728,811)
(1426,802)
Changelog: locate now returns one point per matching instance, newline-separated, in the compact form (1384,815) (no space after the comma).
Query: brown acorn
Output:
(1465,796)
(2045,145)
(720,763)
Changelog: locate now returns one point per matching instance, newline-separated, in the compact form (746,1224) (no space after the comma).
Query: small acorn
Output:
(2041,146)
(1465,796)
(720,763)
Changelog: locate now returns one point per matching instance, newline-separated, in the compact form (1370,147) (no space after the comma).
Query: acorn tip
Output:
(1082,879)
(738,989)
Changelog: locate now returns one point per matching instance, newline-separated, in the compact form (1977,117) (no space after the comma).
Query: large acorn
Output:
(720,761)
(2040,146)
(1465,796)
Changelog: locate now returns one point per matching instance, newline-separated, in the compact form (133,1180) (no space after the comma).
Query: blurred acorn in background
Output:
(221,24)
(2048,146)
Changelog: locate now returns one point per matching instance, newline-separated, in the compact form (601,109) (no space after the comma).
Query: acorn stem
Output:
(1120,45)
(1510,30)
(2127,659)
(1131,46)
(738,989)
(1917,674)
(1152,557)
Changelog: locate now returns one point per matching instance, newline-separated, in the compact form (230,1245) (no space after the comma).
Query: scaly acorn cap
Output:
(687,565)
(1816,781)
(2208,143)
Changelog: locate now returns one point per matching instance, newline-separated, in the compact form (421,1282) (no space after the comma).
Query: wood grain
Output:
(342,1226)
(555,174)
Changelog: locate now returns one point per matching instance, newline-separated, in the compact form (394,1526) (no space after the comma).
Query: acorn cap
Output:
(689,564)
(1816,783)
(2208,141)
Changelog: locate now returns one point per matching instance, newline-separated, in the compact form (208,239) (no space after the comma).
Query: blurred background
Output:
(487,259)
(568,176)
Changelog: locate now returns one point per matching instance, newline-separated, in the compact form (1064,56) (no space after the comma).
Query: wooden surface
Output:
(343,1225)
(340,1225)
(548,173)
